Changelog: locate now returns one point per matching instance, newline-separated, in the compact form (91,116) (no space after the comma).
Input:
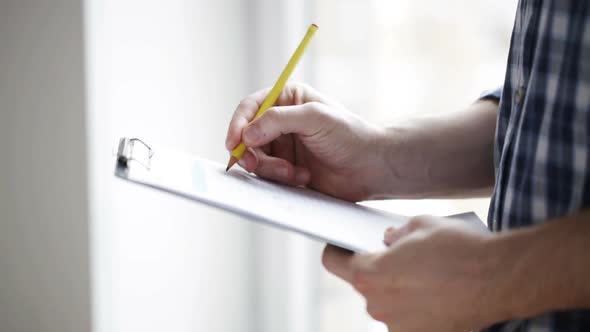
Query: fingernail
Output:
(252,135)
(282,172)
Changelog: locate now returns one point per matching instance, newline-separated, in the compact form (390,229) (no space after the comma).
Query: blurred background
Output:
(83,251)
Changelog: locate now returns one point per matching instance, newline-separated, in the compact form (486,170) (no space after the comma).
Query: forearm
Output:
(442,155)
(544,268)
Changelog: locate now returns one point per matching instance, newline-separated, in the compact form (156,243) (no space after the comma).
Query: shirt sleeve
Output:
(495,94)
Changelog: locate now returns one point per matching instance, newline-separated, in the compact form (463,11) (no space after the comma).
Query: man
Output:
(532,146)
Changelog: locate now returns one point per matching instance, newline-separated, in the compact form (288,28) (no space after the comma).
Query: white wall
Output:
(169,72)
(44,271)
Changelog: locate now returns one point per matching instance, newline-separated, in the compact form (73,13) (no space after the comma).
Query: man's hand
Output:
(309,140)
(446,275)
(435,276)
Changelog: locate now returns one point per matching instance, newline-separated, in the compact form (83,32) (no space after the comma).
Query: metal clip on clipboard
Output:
(128,151)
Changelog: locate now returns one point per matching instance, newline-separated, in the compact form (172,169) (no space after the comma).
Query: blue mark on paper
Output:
(199,177)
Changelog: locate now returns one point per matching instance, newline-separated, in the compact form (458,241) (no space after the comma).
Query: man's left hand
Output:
(436,276)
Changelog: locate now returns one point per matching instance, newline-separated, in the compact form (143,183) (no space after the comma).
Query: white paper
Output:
(347,225)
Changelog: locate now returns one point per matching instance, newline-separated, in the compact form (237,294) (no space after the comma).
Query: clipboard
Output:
(327,219)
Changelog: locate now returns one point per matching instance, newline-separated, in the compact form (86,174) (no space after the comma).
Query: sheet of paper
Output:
(347,225)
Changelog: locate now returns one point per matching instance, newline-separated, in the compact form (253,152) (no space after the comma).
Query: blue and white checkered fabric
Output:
(542,155)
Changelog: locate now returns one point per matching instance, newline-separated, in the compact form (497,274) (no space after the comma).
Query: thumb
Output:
(305,119)
(393,234)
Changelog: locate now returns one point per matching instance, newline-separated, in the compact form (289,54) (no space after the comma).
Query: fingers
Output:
(274,168)
(306,119)
(249,160)
(392,234)
(245,112)
(338,262)
(366,274)
(299,93)
(292,94)
(284,147)
(360,270)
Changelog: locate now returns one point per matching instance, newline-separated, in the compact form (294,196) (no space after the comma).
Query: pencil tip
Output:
(232,161)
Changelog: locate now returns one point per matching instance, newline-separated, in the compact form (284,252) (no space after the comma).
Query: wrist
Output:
(404,165)
(383,171)
(501,300)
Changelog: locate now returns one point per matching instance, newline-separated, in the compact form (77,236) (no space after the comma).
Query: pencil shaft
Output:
(275,92)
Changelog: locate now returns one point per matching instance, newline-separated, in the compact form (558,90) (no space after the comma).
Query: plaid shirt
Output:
(542,155)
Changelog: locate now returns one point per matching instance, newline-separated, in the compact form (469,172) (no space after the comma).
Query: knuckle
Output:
(314,106)
(303,86)
(320,111)
(376,312)
(416,222)
(272,115)
(247,107)
(316,110)
(272,112)
(244,103)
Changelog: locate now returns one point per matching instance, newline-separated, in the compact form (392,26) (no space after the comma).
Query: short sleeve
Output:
(495,94)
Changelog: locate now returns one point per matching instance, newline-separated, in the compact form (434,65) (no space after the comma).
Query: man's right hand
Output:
(308,140)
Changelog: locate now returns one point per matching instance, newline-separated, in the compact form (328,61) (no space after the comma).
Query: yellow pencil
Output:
(274,94)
